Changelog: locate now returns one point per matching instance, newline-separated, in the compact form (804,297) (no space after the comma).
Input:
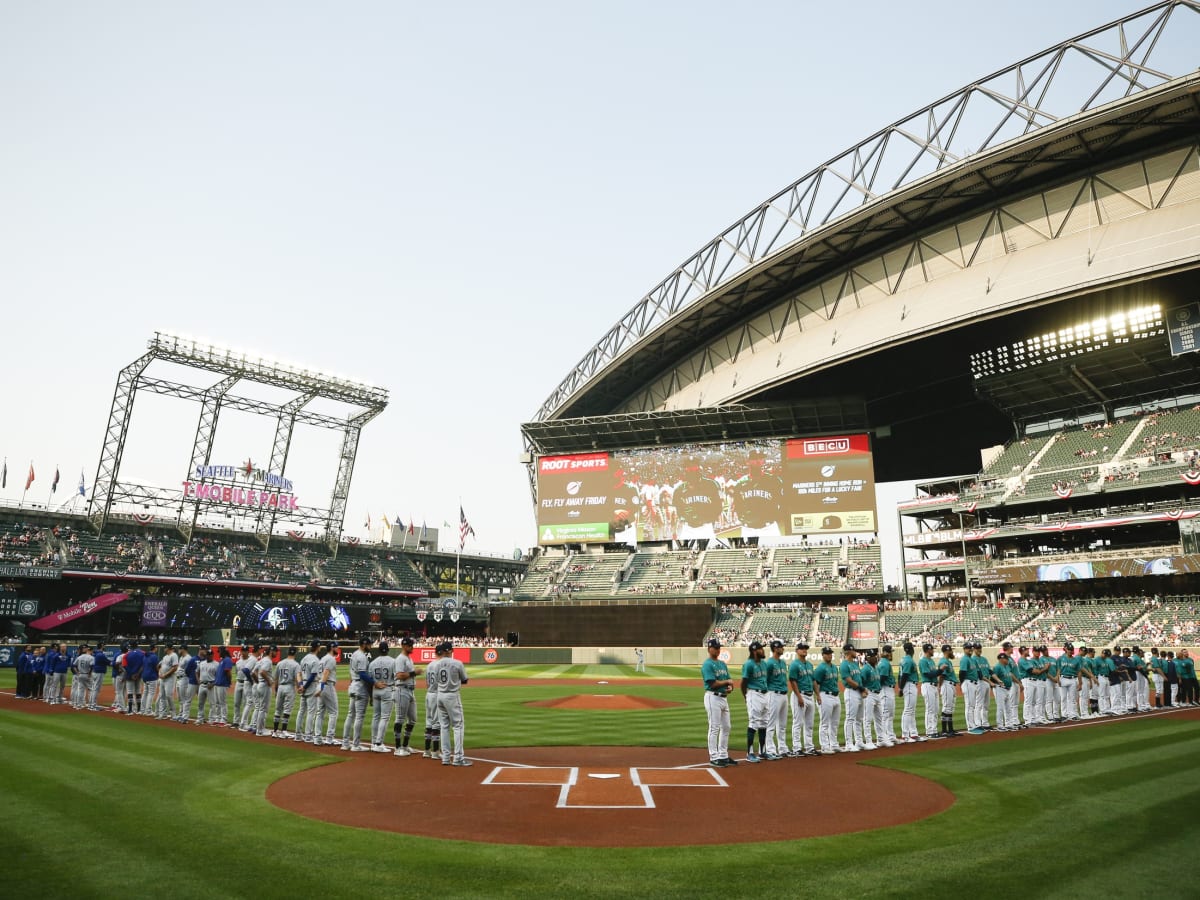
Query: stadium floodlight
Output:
(265,497)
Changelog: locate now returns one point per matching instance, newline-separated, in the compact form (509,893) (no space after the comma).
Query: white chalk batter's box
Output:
(604,787)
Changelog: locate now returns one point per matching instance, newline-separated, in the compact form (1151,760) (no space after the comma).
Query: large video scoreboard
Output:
(782,487)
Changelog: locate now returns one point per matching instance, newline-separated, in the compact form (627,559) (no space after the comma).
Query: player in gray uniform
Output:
(450,675)
(383,693)
(242,666)
(81,686)
(287,679)
(310,669)
(245,668)
(433,735)
(206,673)
(183,687)
(323,714)
(406,698)
(119,679)
(168,666)
(357,692)
(263,686)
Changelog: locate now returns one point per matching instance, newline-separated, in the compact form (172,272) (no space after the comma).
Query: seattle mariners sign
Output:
(18,606)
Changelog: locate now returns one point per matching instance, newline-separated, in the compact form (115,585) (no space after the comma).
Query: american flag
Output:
(464,528)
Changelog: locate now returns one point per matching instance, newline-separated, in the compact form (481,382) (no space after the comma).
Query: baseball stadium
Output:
(994,302)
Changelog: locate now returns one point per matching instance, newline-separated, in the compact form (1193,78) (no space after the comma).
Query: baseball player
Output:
(181,694)
(356,711)
(825,678)
(24,669)
(972,680)
(264,686)
(450,674)
(754,690)
(433,737)
(804,705)
(777,703)
(100,666)
(287,680)
(206,676)
(1142,681)
(327,704)
(168,667)
(928,670)
(382,674)
(871,701)
(53,686)
(245,686)
(887,702)
(852,699)
(947,684)
(1157,676)
(118,704)
(405,696)
(188,684)
(1068,682)
(243,664)
(910,679)
(134,672)
(310,668)
(641,659)
(220,690)
(83,666)
(1005,674)
(717,685)
(150,683)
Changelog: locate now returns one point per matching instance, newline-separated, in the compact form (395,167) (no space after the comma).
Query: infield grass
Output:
(95,804)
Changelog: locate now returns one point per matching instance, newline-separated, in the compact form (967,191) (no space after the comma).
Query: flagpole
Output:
(458,555)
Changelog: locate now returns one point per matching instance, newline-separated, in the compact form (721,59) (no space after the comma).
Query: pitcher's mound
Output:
(603,701)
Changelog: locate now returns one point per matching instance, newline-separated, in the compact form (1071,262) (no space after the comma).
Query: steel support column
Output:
(114,441)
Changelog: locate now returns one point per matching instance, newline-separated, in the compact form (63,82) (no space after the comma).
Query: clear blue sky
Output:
(453,201)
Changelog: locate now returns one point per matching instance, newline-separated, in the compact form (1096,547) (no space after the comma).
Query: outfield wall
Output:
(623,624)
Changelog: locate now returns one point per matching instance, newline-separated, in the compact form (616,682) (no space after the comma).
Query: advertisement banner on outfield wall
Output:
(427,655)
(731,489)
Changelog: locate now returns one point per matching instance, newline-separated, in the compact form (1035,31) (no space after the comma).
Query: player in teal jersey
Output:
(1068,683)
(968,674)
(852,699)
(1086,683)
(777,703)
(1006,683)
(717,685)
(872,732)
(927,667)
(1105,669)
(803,702)
(754,690)
(887,688)
(825,678)
(1185,668)
(1142,680)
(947,687)
(1158,676)
(1051,687)
(909,687)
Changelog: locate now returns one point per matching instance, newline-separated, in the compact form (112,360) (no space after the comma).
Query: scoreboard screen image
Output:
(779,487)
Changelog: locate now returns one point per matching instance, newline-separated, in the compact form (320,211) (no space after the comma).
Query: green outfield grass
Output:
(96,804)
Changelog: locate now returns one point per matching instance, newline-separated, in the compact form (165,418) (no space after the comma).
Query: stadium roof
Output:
(1104,95)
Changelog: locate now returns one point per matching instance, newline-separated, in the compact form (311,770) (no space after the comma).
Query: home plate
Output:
(603,775)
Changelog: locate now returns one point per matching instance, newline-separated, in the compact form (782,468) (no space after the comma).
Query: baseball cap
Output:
(406,642)
(802,646)
(272,649)
(1023,649)
(847,646)
(776,645)
(383,647)
(755,645)
(1007,645)
(826,649)
(1001,655)
(887,648)
(872,651)
(245,647)
(713,642)
(946,648)
(925,647)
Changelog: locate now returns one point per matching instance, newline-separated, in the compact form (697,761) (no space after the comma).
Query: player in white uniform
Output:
(383,693)
(450,675)
(287,680)
(243,664)
(406,698)
(183,687)
(81,685)
(168,666)
(245,687)
(358,690)
(310,669)
(264,684)
(206,673)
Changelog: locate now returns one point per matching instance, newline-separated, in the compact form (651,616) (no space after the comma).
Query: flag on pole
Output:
(399,522)
(54,484)
(82,489)
(464,528)
(29,477)
(422,531)
(411,528)
(4,474)
(386,523)
(368,525)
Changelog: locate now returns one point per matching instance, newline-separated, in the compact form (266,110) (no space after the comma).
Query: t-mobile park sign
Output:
(264,490)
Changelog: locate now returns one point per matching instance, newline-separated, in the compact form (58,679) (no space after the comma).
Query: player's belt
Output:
(757,691)
(778,692)
(829,693)
(206,684)
(807,693)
